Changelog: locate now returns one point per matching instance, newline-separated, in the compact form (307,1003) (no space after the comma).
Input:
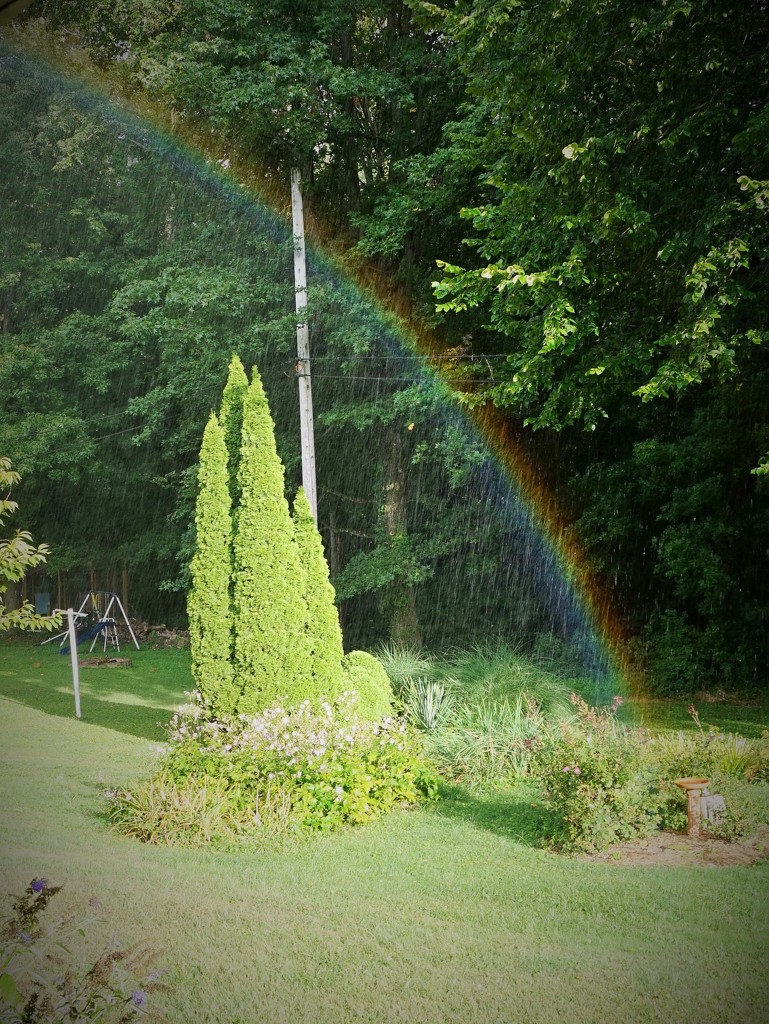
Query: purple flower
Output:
(576,771)
(38,884)
(567,768)
(139,998)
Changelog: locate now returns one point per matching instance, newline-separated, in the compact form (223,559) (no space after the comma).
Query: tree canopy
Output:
(574,196)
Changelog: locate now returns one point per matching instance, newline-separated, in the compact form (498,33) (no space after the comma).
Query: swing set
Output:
(98,609)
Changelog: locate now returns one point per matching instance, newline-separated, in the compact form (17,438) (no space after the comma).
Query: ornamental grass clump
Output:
(403,662)
(489,742)
(283,770)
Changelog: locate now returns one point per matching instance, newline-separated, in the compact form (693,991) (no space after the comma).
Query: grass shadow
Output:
(133,719)
(138,700)
(516,814)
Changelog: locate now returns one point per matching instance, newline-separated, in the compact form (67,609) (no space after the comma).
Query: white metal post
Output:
(303,346)
(73,656)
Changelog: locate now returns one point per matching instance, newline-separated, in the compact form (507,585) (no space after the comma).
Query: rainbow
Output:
(575,593)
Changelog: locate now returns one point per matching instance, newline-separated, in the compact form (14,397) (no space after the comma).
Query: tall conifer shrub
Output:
(323,630)
(271,647)
(231,419)
(209,599)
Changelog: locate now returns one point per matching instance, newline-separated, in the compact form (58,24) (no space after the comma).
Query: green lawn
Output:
(137,700)
(748,719)
(448,914)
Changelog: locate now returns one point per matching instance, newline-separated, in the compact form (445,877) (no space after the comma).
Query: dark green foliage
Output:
(671,512)
(271,643)
(636,134)
(209,604)
(608,120)
(324,633)
(365,674)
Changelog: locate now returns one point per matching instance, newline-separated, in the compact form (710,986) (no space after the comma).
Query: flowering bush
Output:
(606,782)
(597,780)
(38,985)
(323,764)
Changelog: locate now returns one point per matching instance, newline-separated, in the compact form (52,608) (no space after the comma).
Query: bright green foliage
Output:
(272,649)
(608,782)
(323,629)
(231,419)
(366,675)
(320,764)
(747,807)
(17,554)
(486,741)
(209,605)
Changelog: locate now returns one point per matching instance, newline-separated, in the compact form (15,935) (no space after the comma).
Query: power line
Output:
(57,430)
(395,380)
(420,358)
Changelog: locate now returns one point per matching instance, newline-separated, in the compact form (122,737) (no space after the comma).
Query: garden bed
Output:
(672,849)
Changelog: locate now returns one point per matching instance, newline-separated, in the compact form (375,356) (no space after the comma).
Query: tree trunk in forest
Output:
(398,602)
(8,300)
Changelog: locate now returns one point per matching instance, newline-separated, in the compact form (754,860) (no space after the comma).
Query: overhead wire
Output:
(427,361)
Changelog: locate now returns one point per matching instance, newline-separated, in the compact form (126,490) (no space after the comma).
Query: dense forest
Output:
(571,198)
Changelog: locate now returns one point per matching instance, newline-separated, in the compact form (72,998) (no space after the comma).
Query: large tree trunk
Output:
(397,602)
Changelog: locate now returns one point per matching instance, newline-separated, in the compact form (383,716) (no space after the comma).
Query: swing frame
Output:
(101,604)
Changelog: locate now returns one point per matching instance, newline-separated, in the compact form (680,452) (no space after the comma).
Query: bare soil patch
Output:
(673,849)
(105,663)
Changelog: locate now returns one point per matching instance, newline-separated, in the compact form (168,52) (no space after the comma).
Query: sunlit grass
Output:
(749,719)
(446,914)
(440,915)
(138,699)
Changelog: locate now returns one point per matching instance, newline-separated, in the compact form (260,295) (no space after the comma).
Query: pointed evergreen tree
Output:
(271,649)
(208,604)
(231,419)
(323,629)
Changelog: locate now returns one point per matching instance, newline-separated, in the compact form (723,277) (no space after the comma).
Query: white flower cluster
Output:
(195,721)
(312,735)
(306,735)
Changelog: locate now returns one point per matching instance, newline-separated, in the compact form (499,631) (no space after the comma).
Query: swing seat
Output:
(86,634)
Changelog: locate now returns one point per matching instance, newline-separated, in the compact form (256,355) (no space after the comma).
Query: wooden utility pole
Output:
(303,347)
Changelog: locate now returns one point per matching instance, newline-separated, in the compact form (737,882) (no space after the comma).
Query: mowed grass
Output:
(138,699)
(747,718)
(446,914)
